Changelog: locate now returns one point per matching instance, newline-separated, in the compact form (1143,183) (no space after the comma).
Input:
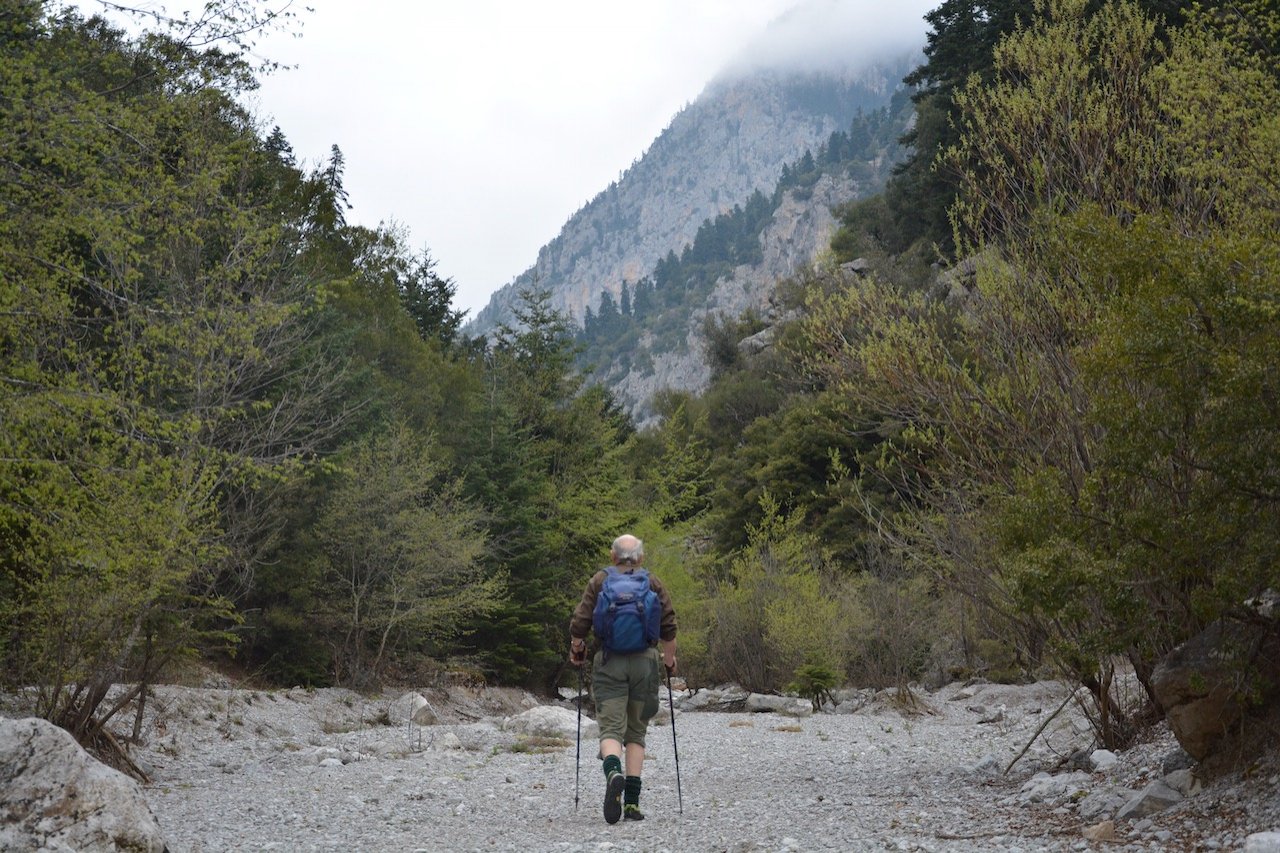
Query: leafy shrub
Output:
(814,681)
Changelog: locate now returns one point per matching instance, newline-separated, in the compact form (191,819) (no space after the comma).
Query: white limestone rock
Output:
(788,706)
(1103,760)
(413,707)
(543,721)
(1263,842)
(55,796)
(1156,797)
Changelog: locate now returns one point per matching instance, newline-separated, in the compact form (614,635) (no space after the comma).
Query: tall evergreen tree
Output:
(545,457)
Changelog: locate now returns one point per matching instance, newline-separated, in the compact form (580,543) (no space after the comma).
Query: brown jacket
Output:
(580,623)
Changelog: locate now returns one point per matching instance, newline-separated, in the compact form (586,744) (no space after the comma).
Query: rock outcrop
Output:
(800,229)
(55,796)
(1208,685)
(733,140)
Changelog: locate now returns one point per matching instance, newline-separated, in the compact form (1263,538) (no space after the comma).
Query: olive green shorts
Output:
(625,690)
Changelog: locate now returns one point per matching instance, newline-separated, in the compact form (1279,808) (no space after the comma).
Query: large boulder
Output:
(415,707)
(787,706)
(1208,684)
(55,796)
(550,721)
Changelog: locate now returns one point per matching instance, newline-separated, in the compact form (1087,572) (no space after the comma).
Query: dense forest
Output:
(1038,438)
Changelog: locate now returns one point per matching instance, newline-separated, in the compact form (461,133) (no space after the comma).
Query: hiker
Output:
(625,669)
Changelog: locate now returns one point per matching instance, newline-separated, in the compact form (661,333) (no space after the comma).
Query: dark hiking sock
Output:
(632,793)
(612,764)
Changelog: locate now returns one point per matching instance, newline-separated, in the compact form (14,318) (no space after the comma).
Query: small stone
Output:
(1262,842)
(1105,831)
(1156,797)
(995,716)
(1103,759)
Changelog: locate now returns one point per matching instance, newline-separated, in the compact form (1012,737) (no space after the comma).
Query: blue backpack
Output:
(628,614)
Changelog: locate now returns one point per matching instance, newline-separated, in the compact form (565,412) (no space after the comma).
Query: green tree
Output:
(156,364)
(1058,416)
(960,47)
(545,457)
(774,612)
(401,555)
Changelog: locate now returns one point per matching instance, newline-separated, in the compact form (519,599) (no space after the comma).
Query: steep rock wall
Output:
(733,140)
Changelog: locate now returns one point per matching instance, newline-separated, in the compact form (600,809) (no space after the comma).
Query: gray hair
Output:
(628,549)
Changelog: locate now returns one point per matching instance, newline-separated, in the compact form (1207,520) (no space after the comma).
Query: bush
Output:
(776,611)
(814,681)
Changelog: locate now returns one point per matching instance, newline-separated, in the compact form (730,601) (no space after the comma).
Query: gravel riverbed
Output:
(324,770)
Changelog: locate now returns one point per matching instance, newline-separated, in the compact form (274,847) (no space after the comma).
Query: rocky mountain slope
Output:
(733,140)
(800,229)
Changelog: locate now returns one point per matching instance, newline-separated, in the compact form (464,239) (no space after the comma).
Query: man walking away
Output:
(630,614)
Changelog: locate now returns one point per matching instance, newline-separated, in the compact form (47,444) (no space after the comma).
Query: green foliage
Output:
(960,51)
(773,612)
(400,553)
(895,620)
(154,329)
(1079,432)
(815,681)
(678,473)
(1070,116)
(546,459)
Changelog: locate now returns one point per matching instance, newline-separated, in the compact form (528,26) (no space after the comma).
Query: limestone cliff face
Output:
(734,139)
(800,230)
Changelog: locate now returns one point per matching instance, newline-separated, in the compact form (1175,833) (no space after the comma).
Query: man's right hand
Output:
(669,655)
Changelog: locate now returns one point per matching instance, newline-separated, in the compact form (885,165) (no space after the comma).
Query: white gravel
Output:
(302,770)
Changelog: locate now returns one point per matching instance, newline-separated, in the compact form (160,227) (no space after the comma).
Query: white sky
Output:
(481,125)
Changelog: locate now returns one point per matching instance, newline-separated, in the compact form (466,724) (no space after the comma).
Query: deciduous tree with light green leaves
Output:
(154,358)
(401,553)
(1081,417)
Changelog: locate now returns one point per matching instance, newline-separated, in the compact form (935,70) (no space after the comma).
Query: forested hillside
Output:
(729,269)
(234,424)
(238,428)
(1055,455)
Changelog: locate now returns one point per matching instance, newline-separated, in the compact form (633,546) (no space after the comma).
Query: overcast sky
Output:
(480,126)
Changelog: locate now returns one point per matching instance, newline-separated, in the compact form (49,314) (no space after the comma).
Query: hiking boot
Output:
(613,789)
(632,812)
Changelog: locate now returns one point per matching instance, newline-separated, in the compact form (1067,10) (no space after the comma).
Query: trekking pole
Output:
(577,760)
(671,701)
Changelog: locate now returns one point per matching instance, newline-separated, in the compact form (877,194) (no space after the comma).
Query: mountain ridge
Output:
(734,139)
